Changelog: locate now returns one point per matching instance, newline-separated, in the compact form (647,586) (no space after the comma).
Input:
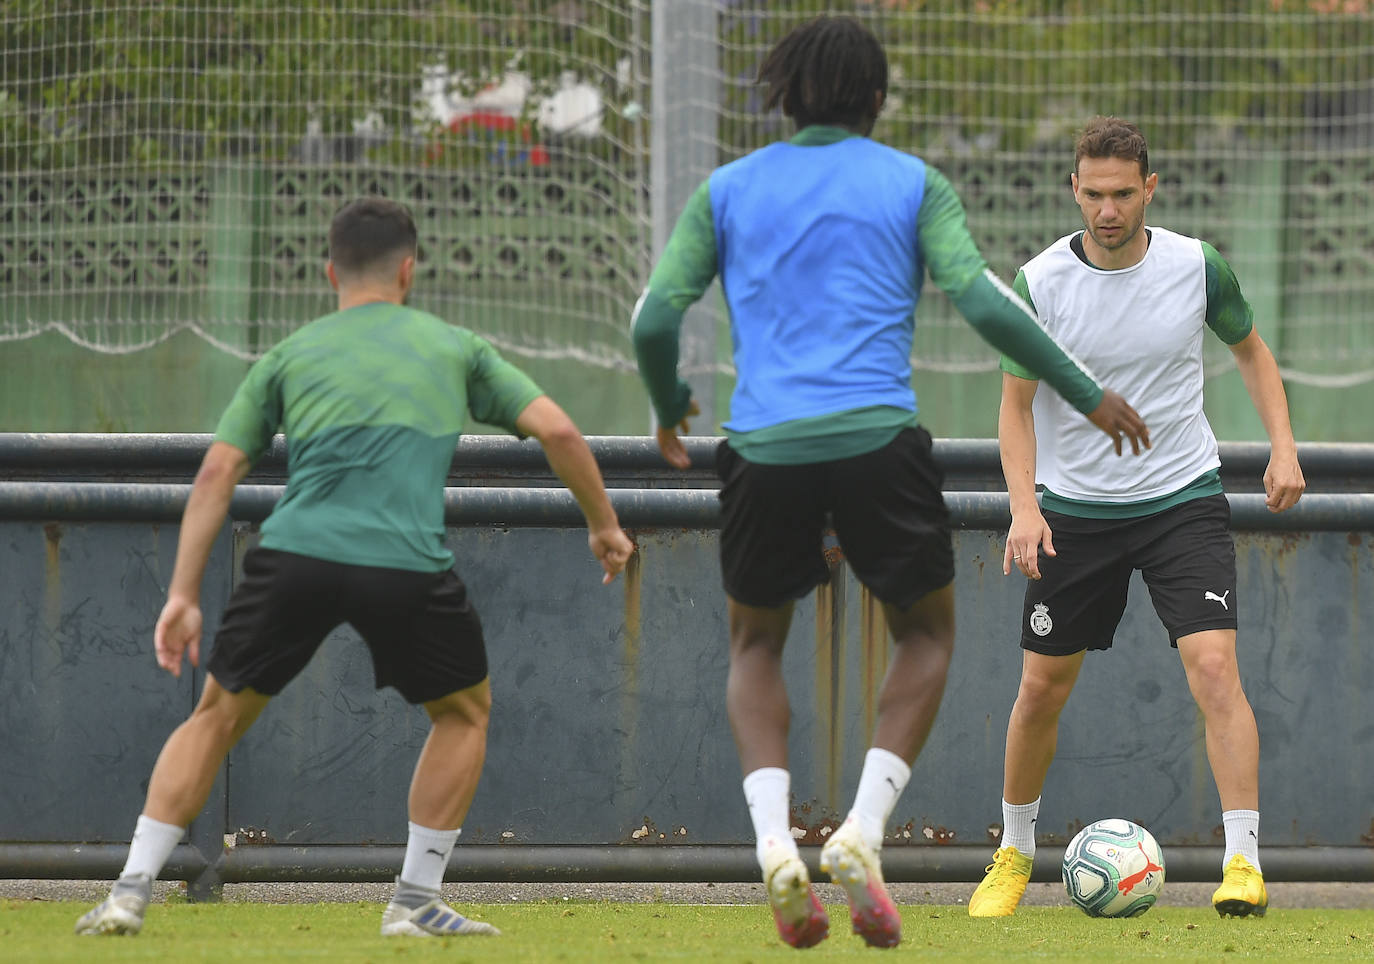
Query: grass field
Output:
(574,932)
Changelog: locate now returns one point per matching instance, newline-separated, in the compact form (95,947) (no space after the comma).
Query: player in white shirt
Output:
(1131,304)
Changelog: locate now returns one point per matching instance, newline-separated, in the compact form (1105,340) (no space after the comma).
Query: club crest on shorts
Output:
(1040,621)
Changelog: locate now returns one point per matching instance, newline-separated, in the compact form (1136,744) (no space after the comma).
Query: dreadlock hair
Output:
(826,71)
(1112,137)
(370,234)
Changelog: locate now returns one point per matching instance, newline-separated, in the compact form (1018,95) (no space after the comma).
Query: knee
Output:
(755,645)
(929,640)
(1042,695)
(925,654)
(926,628)
(227,715)
(1213,678)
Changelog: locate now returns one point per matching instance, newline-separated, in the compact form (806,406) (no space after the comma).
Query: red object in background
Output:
(494,123)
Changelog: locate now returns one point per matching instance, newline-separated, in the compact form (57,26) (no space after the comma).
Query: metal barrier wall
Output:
(610,756)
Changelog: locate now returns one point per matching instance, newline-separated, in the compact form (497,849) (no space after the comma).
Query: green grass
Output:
(563,931)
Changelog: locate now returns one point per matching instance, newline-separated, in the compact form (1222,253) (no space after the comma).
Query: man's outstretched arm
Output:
(178,627)
(572,460)
(682,275)
(1007,322)
(1283,480)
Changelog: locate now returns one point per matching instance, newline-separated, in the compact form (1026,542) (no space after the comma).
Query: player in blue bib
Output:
(822,244)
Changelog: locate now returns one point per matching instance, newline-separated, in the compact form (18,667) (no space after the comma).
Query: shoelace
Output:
(1000,859)
(1244,872)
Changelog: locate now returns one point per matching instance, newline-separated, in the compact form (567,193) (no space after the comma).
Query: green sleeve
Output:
(497,391)
(682,275)
(955,264)
(255,411)
(1228,313)
(948,250)
(1009,365)
(1009,325)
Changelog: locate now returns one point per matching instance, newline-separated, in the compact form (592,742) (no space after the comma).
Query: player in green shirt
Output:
(372,400)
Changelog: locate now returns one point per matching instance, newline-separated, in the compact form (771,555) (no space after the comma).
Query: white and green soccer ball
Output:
(1113,868)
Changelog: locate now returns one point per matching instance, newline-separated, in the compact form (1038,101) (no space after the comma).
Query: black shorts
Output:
(1185,554)
(885,505)
(424,636)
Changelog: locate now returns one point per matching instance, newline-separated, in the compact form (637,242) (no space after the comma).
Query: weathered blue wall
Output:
(609,737)
(608,700)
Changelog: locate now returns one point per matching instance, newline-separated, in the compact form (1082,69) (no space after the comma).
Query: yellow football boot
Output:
(1242,892)
(1001,889)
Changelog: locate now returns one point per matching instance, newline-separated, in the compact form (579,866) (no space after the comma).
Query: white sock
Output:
(427,854)
(153,843)
(1018,825)
(1242,835)
(767,791)
(884,777)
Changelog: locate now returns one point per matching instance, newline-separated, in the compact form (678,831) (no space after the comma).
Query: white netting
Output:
(175,165)
(1260,116)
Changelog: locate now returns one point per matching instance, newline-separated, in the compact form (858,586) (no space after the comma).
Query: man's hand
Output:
(1283,482)
(1115,417)
(177,634)
(613,548)
(1027,534)
(670,445)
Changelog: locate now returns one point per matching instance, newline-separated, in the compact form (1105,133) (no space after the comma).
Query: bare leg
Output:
(1032,737)
(191,757)
(441,790)
(1209,659)
(756,701)
(1033,730)
(755,694)
(450,764)
(180,783)
(923,638)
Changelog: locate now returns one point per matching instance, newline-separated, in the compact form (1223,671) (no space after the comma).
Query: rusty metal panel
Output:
(1131,739)
(83,707)
(609,723)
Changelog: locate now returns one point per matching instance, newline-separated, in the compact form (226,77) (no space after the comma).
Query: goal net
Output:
(1259,114)
(173,166)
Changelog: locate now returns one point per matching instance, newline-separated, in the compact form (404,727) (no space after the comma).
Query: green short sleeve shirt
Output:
(372,401)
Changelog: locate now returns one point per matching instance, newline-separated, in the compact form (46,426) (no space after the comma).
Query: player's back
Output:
(372,401)
(818,256)
(376,365)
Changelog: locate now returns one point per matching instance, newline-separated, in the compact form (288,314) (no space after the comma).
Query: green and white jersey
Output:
(372,401)
(1139,329)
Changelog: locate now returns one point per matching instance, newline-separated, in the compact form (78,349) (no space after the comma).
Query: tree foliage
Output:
(85,83)
(1020,74)
(156,81)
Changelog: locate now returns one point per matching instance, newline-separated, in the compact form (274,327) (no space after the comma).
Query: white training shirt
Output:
(1139,331)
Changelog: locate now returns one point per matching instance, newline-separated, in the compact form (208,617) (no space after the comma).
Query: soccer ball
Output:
(1113,868)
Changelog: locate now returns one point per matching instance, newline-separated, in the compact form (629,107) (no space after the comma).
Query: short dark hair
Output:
(367,233)
(825,72)
(1112,137)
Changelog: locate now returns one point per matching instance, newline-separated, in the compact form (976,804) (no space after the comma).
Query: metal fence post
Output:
(685,90)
